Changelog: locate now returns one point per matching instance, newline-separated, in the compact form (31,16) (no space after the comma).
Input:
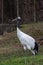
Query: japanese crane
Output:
(27,41)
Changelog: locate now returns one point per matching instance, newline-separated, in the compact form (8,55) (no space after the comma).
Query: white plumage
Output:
(27,41)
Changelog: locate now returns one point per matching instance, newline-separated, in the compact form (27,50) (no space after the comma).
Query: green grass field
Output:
(11,51)
(28,60)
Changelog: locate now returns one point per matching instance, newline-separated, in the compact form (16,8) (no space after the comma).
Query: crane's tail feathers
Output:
(36,48)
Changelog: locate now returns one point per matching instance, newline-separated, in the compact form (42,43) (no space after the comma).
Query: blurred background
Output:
(29,10)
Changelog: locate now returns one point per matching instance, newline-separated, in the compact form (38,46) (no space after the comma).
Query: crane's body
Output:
(27,41)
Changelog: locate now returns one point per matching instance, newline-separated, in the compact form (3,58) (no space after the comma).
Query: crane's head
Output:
(19,19)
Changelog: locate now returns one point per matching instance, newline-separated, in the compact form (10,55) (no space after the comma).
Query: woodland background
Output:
(27,8)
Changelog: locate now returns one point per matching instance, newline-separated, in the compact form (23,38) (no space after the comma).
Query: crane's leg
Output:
(24,47)
(25,60)
(31,50)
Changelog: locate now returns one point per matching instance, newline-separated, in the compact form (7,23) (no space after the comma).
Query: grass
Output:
(11,52)
(28,60)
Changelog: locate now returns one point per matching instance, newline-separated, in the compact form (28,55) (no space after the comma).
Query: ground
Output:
(11,51)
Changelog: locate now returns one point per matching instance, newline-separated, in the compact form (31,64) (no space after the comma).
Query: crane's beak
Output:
(14,19)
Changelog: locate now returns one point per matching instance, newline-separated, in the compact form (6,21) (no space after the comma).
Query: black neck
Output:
(18,24)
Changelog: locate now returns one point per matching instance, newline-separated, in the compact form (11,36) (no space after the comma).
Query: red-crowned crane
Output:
(27,41)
